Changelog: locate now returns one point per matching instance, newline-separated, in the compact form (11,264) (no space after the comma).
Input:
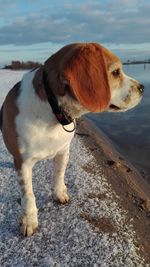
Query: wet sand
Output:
(133,191)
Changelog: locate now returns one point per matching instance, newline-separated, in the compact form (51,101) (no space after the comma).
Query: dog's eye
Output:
(116,73)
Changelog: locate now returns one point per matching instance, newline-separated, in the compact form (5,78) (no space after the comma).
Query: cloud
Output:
(115,21)
(5,6)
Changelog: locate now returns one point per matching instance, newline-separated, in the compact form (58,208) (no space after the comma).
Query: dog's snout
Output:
(141,88)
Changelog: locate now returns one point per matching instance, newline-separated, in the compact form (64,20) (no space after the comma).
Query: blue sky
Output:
(34,29)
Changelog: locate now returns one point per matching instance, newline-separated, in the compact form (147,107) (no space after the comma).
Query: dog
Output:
(38,115)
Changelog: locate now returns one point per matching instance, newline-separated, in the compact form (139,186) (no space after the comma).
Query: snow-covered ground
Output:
(7,79)
(91,230)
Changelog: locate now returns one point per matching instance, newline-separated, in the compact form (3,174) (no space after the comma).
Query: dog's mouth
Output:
(113,107)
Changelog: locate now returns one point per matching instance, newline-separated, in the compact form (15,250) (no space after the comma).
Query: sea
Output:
(130,131)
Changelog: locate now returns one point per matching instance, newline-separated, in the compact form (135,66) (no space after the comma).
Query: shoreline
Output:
(126,181)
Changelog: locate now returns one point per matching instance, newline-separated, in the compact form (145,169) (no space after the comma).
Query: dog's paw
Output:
(60,195)
(29,224)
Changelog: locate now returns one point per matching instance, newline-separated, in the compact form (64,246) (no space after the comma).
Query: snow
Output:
(65,237)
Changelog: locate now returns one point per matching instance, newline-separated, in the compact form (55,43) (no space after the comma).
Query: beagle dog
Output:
(37,118)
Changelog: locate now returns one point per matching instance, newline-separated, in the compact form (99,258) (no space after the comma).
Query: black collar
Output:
(61,116)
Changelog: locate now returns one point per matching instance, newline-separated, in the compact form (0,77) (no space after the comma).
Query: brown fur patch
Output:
(21,182)
(1,117)
(10,112)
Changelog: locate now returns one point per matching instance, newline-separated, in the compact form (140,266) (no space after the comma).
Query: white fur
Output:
(127,95)
(40,136)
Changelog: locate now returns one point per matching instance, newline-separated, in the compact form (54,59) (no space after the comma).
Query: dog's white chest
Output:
(39,140)
(39,134)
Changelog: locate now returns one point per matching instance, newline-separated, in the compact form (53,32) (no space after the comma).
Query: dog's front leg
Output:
(59,188)
(29,220)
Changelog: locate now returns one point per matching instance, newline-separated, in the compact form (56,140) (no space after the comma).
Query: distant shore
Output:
(21,65)
(136,62)
(17,65)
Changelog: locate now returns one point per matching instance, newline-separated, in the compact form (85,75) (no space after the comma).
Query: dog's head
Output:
(93,76)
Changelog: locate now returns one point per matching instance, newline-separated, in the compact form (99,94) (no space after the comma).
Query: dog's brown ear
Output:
(82,68)
(87,74)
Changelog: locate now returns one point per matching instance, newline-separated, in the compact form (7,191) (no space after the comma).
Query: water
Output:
(130,131)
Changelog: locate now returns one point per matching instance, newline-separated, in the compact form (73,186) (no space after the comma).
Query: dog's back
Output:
(8,114)
(1,117)
(10,101)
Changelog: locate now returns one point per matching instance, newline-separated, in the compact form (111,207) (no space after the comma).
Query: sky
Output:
(35,29)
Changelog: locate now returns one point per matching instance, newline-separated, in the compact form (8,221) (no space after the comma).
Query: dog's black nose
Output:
(141,88)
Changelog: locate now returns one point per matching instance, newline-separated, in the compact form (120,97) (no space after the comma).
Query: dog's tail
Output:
(1,117)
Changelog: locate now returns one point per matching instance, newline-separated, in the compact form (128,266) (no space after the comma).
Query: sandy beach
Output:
(125,180)
(106,222)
